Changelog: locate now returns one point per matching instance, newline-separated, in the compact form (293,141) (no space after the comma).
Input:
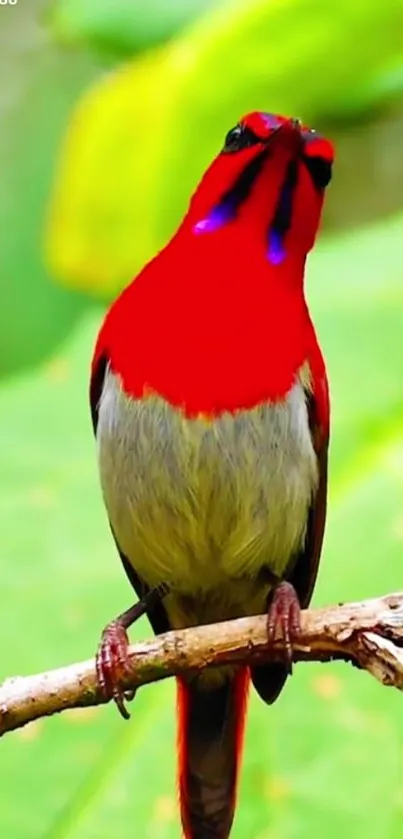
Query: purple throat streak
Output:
(221,215)
(276,252)
(225,213)
(217,218)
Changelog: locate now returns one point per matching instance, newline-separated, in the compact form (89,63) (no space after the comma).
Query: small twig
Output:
(369,633)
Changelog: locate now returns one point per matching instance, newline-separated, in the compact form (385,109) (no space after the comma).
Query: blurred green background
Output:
(110,111)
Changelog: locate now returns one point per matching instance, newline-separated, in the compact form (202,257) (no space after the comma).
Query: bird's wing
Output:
(269,679)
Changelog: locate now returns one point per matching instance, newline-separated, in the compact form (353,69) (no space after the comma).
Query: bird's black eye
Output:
(320,170)
(240,137)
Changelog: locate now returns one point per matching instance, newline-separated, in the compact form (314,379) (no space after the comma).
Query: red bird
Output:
(210,407)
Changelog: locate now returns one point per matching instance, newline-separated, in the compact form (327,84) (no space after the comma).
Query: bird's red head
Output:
(218,320)
(270,177)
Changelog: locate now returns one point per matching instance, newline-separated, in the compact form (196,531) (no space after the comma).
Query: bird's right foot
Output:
(284,619)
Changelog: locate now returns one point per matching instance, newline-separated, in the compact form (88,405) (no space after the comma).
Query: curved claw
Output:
(112,665)
(284,618)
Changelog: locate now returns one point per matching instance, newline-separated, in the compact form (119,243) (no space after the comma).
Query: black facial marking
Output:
(240,190)
(281,220)
(319,169)
(239,138)
(282,214)
(227,207)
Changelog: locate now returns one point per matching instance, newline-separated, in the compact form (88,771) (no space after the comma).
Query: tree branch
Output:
(369,634)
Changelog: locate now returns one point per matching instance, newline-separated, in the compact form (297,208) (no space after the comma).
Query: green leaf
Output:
(35,315)
(119,28)
(141,139)
(312,765)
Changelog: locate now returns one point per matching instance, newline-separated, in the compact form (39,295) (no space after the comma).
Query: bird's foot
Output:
(112,659)
(113,665)
(284,618)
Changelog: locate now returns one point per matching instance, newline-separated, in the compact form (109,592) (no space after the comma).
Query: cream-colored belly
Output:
(206,506)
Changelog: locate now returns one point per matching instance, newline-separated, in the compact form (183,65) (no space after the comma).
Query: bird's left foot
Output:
(284,618)
(112,661)
(113,665)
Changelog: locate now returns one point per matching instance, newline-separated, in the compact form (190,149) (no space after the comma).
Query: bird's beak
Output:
(287,136)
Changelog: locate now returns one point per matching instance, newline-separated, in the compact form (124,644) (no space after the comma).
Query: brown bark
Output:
(369,634)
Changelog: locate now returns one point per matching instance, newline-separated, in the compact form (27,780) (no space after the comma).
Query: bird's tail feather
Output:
(211,725)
